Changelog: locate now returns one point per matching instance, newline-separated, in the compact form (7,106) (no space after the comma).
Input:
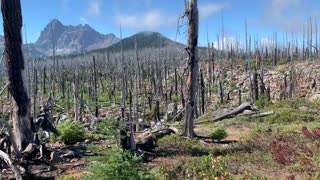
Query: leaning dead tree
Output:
(12,24)
(192,49)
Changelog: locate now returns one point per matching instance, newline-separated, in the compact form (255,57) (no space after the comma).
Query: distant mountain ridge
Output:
(73,40)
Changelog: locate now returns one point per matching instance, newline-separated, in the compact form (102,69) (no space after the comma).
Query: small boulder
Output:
(55,157)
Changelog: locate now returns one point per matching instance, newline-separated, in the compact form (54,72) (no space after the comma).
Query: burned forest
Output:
(224,99)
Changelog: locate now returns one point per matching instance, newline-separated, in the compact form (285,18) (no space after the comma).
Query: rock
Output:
(87,125)
(158,126)
(303,108)
(69,154)
(72,39)
(55,157)
(30,149)
(73,160)
(63,117)
(314,97)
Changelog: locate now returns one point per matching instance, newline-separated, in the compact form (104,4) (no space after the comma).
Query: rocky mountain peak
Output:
(72,39)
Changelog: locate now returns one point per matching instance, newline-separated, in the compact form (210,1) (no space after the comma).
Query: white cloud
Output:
(94,8)
(149,20)
(209,9)
(288,15)
(266,42)
(227,42)
(84,20)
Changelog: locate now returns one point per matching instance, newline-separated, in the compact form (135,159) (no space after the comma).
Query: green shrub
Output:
(110,127)
(233,85)
(4,117)
(116,163)
(176,99)
(70,132)
(263,102)
(219,134)
(96,137)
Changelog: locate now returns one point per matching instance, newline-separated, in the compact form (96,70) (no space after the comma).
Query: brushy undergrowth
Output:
(205,167)
(115,163)
(110,127)
(293,110)
(111,161)
(70,132)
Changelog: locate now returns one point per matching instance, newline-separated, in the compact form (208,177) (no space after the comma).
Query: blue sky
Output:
(263,16)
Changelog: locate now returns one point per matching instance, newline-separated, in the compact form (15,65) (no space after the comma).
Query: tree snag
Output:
(12,25)
(192,83)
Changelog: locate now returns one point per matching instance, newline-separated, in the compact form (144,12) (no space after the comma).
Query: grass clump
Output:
(67,178)
(288,115)
(175,145)
(205,167)
(293,110)
(70,132)
(218,134)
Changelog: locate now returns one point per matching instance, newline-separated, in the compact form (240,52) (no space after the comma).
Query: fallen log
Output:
(231,113)
(9,162)
(149,142)
(259,115)
(12,140)
(4,88)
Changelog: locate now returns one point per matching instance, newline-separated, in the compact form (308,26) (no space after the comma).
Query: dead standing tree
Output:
(192,15)
(12,25)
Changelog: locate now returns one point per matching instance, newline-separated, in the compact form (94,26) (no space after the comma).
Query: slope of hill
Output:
(144,40)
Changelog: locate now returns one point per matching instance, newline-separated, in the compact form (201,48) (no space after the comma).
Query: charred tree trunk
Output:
(193,19)
(269,93)
(255,86)
(183,102)
(156,113)
(221,91)
(95,87)
(175,82)
(202,92)
(12,24)
(239,97)
(76,96)
(35,92)
(44,82)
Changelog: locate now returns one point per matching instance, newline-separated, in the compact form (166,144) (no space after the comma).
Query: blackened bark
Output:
(156,113)
(12,24)
(202,92)
(255,86)
(239,97)
(95,87)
